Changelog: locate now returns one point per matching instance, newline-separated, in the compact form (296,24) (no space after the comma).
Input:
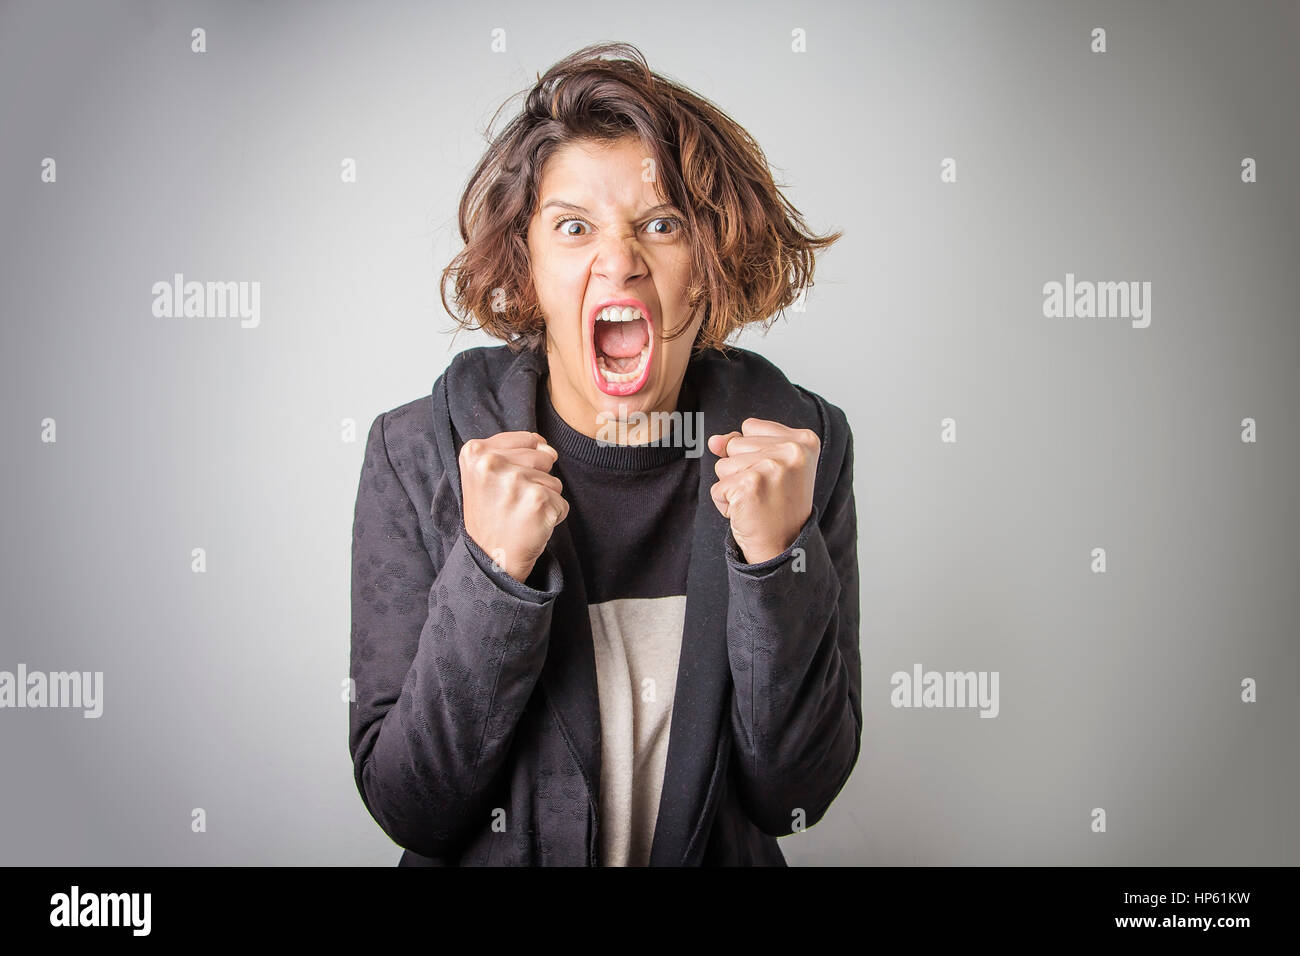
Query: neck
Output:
(579,415)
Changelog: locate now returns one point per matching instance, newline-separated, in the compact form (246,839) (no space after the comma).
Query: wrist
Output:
(758,553)
(520,572)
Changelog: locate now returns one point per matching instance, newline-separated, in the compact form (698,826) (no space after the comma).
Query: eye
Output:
(562,220)
(677,223)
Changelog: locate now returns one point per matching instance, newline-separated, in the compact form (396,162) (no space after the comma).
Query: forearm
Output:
(446,651)
(795,729)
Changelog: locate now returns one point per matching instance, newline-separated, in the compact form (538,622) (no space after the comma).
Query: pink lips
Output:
(619,388)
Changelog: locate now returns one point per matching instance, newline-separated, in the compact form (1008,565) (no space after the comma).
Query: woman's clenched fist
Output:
(512,502)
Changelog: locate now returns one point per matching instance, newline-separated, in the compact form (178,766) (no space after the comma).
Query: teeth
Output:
(621,377)
(625,313)
(616,313)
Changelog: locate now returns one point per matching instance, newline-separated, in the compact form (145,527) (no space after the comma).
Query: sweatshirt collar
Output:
(601,452)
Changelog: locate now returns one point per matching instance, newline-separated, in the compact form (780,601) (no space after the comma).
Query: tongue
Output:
(623,340)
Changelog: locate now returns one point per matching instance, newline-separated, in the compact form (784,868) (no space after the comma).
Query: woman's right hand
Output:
(512,504)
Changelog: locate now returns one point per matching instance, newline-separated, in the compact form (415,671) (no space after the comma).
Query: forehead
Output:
(600,175)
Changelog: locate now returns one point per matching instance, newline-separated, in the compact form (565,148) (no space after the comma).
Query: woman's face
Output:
(616,244)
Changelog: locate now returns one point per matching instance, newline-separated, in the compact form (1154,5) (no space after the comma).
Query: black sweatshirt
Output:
(631,511)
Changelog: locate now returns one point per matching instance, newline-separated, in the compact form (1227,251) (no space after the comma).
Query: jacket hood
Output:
(491,389)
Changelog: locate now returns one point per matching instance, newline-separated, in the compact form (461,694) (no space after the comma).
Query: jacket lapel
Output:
(703,676)
(730,390)
(488,391)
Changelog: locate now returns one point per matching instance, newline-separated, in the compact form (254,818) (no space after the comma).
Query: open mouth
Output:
(622,346)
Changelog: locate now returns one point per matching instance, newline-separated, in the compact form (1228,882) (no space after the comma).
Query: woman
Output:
(579,636)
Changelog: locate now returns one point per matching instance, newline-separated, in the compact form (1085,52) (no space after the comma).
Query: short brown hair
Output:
(751,252)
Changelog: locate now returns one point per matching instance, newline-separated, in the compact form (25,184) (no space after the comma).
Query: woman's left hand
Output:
(766,473)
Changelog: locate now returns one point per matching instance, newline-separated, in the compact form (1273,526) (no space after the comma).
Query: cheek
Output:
(550,287)
(559,283)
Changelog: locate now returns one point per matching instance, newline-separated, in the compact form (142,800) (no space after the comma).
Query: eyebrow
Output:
(574,206)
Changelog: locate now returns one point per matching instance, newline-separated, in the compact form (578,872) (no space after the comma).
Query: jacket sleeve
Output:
(445,655)
(792,641)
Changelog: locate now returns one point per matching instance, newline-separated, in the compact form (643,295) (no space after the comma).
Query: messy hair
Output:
(751,253)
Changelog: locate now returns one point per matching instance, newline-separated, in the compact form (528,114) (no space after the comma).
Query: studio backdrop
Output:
(1062,323)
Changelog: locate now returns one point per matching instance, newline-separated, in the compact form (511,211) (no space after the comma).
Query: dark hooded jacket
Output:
(475,727)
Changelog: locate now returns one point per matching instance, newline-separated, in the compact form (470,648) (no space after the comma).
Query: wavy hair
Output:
(752,254)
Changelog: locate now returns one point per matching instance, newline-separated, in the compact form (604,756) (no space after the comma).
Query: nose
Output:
(618,259)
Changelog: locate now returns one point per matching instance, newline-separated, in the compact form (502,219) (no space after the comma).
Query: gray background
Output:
(222,690)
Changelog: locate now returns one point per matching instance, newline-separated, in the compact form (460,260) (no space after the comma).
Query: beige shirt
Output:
(638,643)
